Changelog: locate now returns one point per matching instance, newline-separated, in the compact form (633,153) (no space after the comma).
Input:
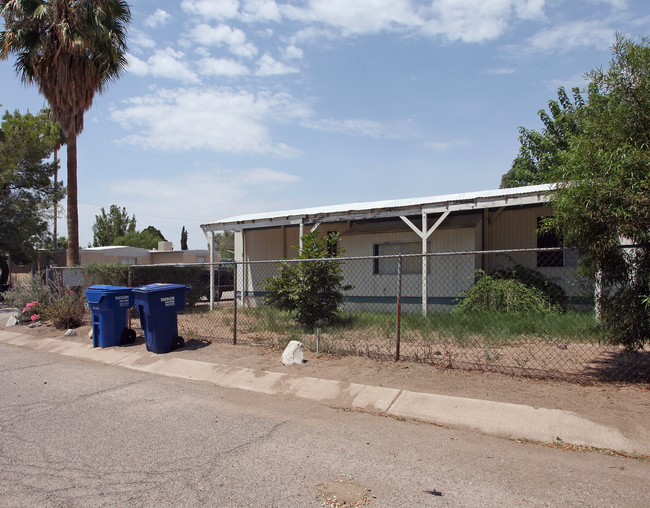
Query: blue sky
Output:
(240,106)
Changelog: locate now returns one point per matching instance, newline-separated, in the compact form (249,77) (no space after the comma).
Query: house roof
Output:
(518,196)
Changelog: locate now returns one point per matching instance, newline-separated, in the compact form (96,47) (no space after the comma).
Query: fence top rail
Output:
(395,256)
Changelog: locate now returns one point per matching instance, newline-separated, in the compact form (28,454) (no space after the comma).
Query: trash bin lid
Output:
(107,288)
(150,288)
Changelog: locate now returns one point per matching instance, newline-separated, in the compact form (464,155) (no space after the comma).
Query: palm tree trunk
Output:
(56,202)
(72,256)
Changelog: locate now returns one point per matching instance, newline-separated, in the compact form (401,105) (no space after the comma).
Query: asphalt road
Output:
(76,433)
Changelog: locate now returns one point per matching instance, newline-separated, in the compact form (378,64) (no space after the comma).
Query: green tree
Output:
(71,50)
(603,199)
(155,231)
(312,290)
(541,152)
(221,244)
(26,188)
(184,239)
(142,239)
(110,226)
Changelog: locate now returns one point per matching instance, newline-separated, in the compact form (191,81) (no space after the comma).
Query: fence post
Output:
(399,307)
(234,299)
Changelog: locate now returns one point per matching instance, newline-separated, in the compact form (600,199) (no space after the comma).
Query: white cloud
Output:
(219,120)
(501,71)
(572,35)
(158,18)
(170,64)
(211,9)
(198,196)
(137,66)
(260,10)
(358,17)
(465,20)
(292,52)
(222,34)
(477,20)
(221,67)
(360,127)
(445,146)
(140,40)
(269,66)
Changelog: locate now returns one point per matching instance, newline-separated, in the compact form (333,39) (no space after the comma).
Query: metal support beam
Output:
(424,235)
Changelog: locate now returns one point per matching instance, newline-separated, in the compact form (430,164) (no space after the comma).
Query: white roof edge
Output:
(429,202)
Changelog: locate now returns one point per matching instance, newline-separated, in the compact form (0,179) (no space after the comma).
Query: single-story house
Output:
(456,223)
(110,254)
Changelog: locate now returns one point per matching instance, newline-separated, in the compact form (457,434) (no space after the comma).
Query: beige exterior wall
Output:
(448,276)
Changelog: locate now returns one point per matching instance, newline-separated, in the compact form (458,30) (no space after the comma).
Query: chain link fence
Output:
(523,312)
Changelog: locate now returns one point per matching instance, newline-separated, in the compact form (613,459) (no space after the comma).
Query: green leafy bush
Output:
(192,276)
(112,274)
(311,290)
(534,279)
(509,296)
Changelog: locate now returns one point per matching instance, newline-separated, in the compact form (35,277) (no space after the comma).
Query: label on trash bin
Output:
(123,301)
(169,301)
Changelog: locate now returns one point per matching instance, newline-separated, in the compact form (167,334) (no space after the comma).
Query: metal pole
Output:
(234,289)
(399,307)
(211,270)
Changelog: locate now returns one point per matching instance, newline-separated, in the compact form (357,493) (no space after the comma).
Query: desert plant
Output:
(31,290)
(66,310)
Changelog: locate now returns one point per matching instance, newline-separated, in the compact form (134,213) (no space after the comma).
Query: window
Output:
(389,265)
(200,259)
(548,240)
(129,261)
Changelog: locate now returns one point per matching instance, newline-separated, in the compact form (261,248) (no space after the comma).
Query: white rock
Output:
(12,321)
(35,324)
(70,333)
(293,353)
(90,334)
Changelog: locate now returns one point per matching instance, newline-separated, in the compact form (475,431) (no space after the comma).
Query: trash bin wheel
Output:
(178,342)
(128,336)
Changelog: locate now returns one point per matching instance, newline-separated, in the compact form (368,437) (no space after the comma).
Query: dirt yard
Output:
(607,403)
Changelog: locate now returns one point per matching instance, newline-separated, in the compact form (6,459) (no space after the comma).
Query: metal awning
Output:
(519,196)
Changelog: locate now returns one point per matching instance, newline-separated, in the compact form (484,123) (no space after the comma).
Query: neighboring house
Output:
(474,221)
(111,254)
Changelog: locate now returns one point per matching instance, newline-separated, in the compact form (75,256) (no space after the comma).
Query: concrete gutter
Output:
(512,421)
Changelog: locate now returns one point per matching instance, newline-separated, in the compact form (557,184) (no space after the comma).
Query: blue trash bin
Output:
(157,305)
(109,306)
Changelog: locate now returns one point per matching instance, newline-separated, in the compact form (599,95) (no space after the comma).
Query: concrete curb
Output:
(513,421)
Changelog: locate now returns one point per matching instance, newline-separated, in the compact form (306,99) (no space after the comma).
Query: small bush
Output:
(112,274)
(508,296)
(312,290)
(33,290)
(66,310)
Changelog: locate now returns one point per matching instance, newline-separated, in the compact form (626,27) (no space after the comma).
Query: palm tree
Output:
(71,49)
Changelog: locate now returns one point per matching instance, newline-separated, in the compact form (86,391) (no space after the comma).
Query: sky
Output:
(232,107)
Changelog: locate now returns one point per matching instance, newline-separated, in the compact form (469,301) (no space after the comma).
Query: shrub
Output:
(113,274)
(534,279)
(66,310)
(508,296)
(312,290)
(32,290)
(626,318)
